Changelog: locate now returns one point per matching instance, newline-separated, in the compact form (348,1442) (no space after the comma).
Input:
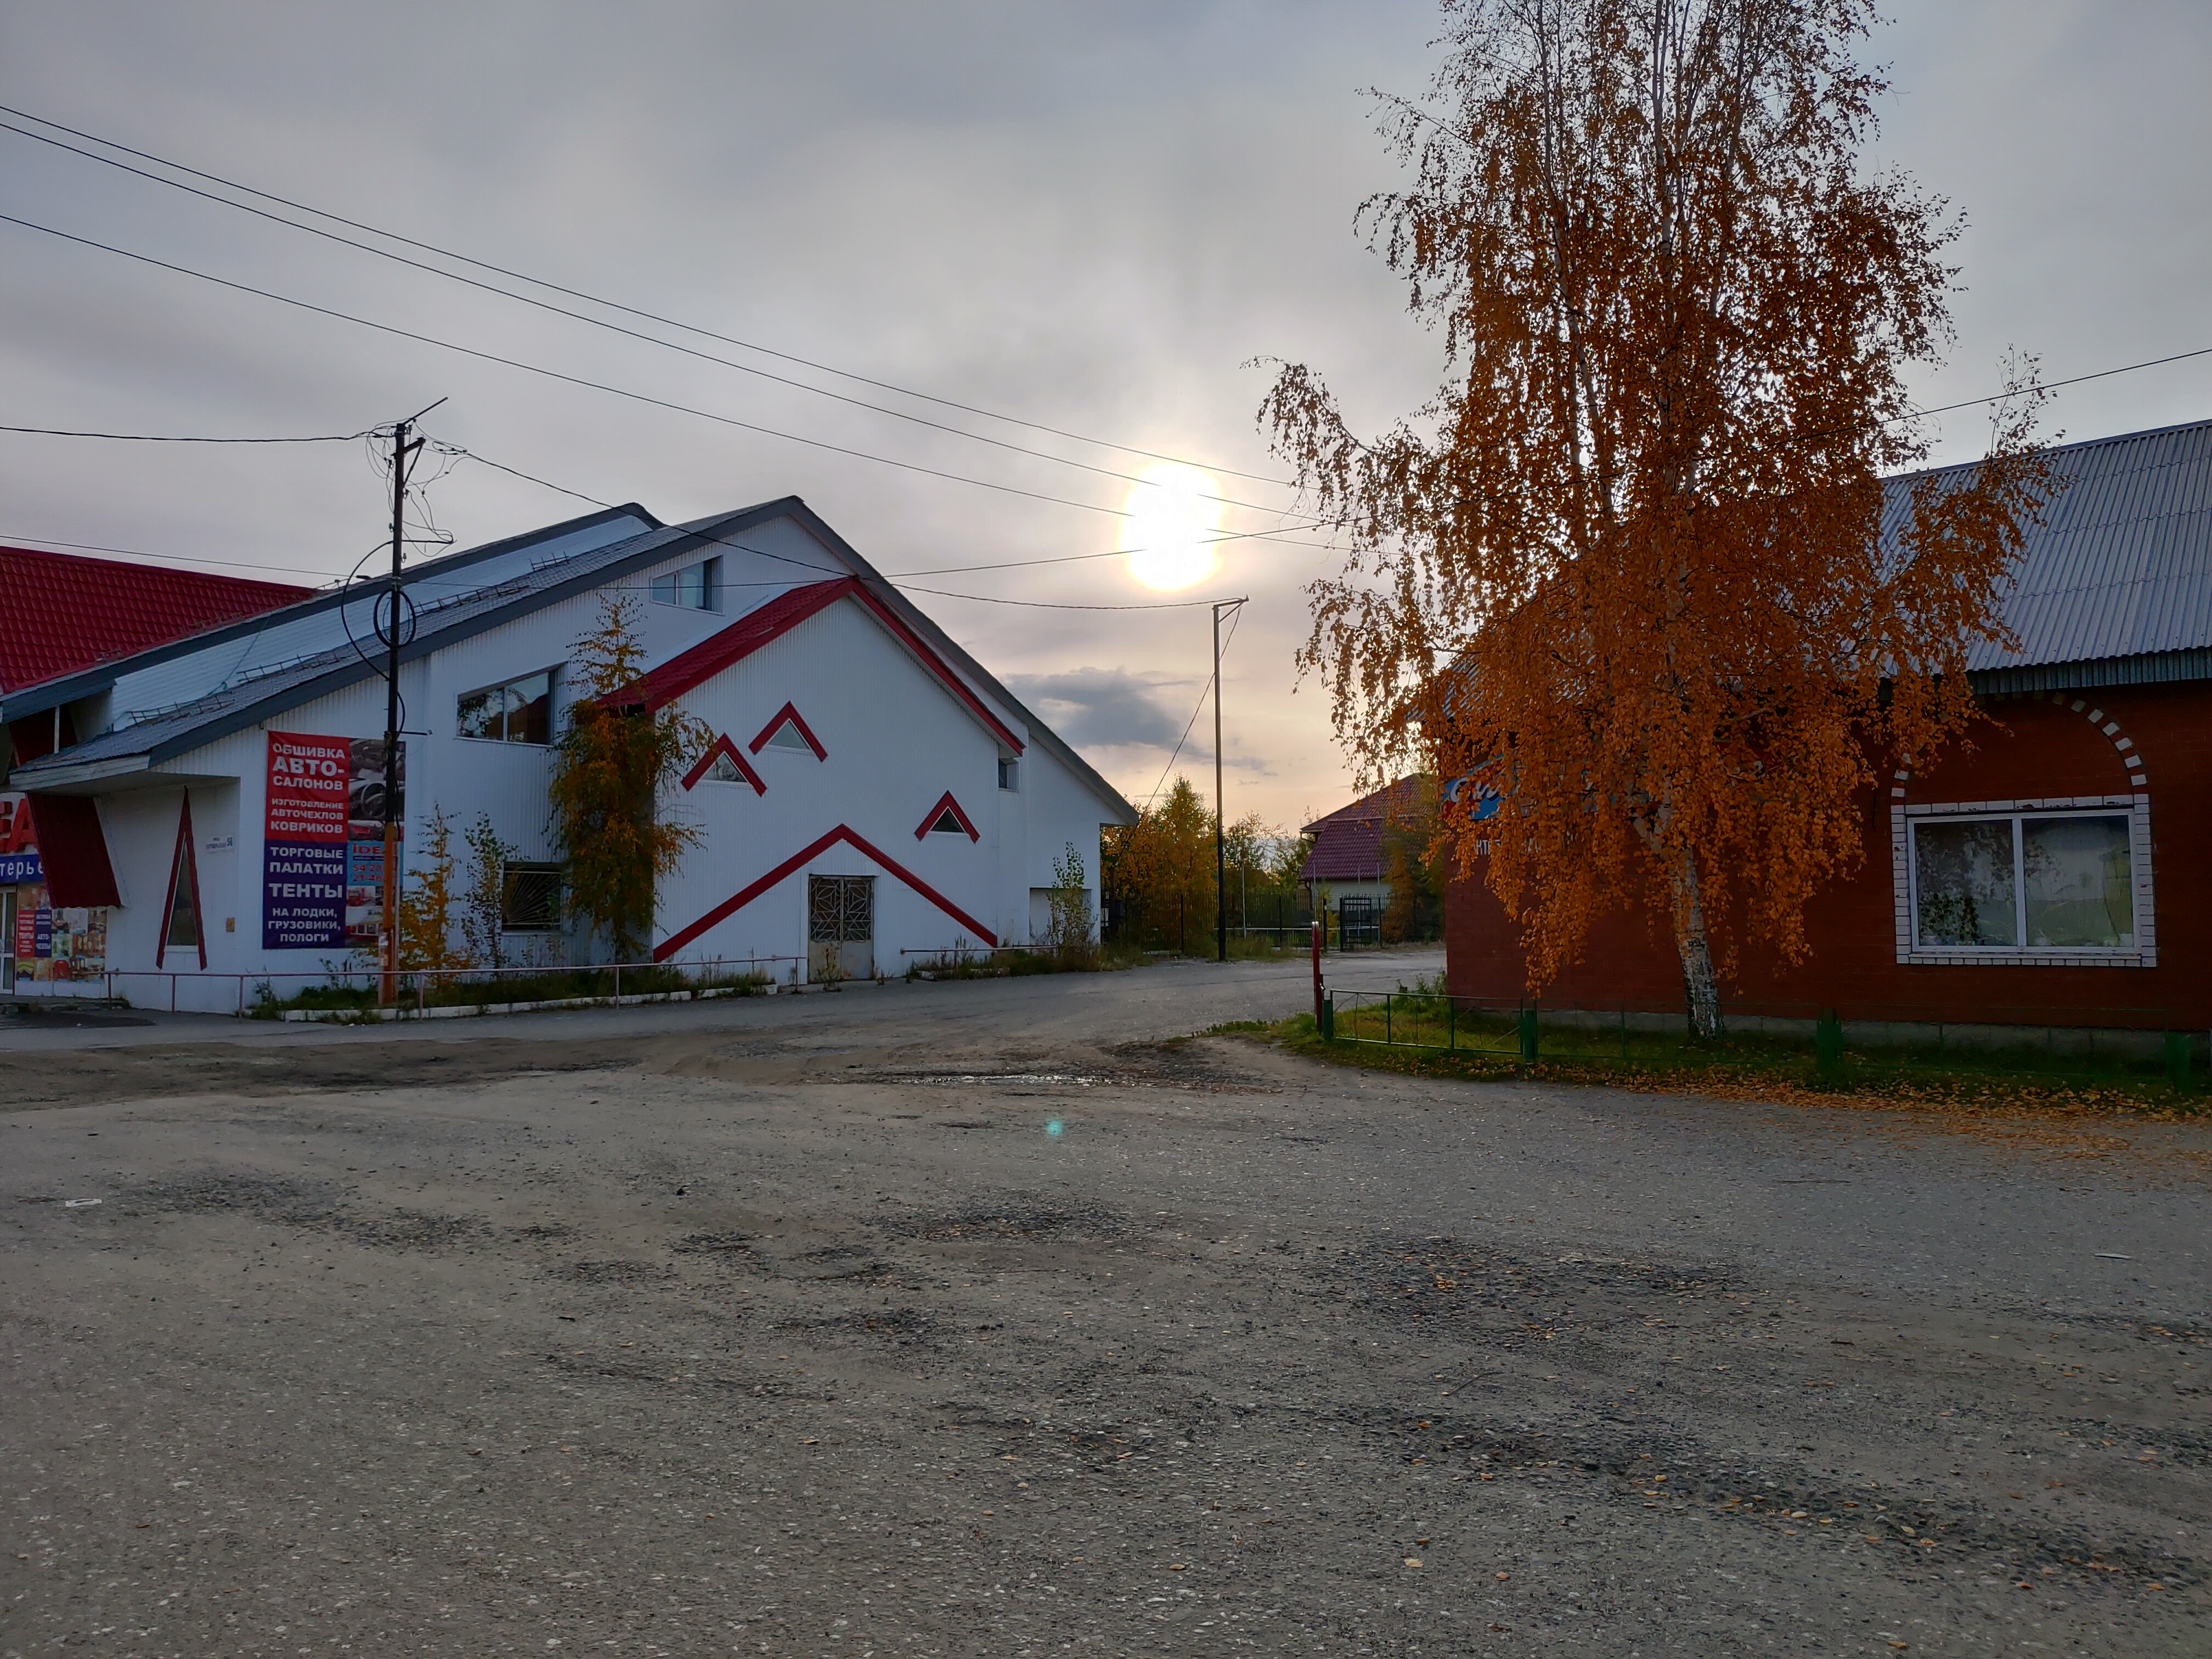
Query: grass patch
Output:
(1771,1069)
(551,985)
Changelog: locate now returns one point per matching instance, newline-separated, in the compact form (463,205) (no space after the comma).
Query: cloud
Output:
(1103,707)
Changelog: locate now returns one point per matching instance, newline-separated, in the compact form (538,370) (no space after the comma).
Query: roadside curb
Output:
(472,1010)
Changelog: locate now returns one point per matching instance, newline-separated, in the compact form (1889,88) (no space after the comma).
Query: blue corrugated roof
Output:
(2120,568)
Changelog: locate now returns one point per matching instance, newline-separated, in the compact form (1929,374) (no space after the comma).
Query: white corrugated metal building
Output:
(865,769)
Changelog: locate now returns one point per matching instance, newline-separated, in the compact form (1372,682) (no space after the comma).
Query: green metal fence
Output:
(1833,1048)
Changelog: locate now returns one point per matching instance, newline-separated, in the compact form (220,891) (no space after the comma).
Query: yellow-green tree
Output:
(1161,867)
(611,763)
(428,916)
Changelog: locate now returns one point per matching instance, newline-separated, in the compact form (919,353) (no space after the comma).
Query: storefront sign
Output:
(303,855)
(322,862)
(19,847)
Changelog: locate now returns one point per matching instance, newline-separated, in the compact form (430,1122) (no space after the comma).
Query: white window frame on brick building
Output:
(1907,820)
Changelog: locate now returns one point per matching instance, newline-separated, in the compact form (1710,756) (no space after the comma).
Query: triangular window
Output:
(724,770)
(788,729)
(946,818)
(181,927)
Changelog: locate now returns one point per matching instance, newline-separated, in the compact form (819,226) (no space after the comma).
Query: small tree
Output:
(428,911)
(483,900)
(619,752)
(1068,932)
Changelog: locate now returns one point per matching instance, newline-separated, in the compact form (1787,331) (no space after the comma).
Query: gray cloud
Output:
(1105,708)
(1088,215)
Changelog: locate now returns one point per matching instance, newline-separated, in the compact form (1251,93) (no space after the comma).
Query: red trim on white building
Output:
(752,890)
(945,804)
(798,724)
(722,746)
(778,617)
(182,858)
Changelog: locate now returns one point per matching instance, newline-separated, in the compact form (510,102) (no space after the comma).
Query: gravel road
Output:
(997,1319)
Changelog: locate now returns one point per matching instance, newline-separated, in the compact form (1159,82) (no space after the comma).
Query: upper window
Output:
(1010,774)
(695,587)
(521,711)
(2023,882)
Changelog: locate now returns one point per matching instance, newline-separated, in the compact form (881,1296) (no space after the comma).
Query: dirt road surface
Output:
(986,1319)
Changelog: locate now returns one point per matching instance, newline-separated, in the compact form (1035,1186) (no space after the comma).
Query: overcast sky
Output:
(1094,218)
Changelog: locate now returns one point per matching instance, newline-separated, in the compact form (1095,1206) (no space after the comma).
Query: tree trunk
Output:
(1701,989)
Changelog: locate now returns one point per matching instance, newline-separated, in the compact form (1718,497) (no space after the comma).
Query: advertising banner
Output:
(303,852)
(366,784)
(19,850)
(57,947)
(322,860)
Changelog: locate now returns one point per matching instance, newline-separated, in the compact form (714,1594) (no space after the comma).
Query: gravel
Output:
(976,1319)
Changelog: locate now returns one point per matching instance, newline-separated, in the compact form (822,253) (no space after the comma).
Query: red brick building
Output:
(2055,875)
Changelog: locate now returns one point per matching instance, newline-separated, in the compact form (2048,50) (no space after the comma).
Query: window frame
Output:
(512,867)
(1905,822)
(184,883)
(709,588)
(1010,774)
(505,690)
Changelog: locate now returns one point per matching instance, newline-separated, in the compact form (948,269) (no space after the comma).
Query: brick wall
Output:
(2043,749)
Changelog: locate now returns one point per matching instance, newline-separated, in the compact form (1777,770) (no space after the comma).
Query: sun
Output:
(1172,525)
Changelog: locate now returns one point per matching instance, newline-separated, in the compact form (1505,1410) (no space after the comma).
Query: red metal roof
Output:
(60,612)
(772,621)
(1348,843)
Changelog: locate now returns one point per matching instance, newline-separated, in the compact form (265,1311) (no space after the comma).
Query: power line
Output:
(698,536)
(597,322)
(141,553)
(1274,537)
(1049,605)
(590,298)
(570,379)
(2050,386)
(150,438)
(517,473)
(1196,710)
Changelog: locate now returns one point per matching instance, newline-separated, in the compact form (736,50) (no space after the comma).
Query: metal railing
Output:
(2118,1045)
(354,990)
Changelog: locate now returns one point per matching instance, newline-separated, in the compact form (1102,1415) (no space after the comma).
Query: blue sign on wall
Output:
(21,866)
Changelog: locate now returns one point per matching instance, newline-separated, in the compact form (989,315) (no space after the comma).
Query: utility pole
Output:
(403,451)
(1220,846)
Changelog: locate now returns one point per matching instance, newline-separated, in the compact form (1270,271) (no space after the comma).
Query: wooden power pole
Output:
(403,451)
(1220,846)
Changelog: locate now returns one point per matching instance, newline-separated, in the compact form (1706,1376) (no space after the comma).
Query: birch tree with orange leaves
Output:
(1623,572)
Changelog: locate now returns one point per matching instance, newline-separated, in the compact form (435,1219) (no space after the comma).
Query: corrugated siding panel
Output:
(2121,566)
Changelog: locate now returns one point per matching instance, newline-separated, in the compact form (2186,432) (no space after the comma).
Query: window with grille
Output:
(841,909)
(530,898)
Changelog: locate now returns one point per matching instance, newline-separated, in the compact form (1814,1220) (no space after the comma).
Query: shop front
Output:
(45,948)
